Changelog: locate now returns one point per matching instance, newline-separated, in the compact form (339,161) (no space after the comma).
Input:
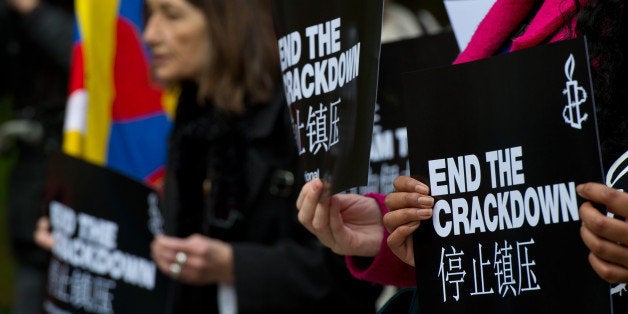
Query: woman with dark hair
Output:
(233,241)
(605,23)
(510,25)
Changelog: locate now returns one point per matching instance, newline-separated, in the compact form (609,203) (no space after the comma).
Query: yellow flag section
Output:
(96,21)
(116,115)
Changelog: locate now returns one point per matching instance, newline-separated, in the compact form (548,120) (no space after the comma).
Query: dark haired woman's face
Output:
(176,32)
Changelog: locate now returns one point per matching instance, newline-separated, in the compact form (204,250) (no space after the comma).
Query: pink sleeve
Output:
(385,268)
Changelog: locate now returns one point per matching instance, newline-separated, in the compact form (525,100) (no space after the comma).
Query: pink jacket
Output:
(502,20)
(506,16)
(385,268)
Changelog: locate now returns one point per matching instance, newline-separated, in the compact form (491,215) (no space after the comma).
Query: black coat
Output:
(249,168)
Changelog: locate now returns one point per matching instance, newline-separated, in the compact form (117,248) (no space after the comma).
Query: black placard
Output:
(329,53)
(389,146)
(103,224)
(617,177)
(503,142)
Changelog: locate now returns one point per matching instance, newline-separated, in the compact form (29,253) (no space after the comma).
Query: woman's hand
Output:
(408,207)
(42,235)
(195,260)
(349,224)
(606,237)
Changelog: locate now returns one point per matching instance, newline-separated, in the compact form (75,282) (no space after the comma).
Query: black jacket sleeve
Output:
(292,278)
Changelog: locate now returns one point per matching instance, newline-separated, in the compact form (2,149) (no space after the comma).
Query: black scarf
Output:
(207,151)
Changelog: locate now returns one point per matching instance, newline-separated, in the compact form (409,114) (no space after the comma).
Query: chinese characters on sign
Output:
(80,288)
(314,86)
(510,272)
(320,129)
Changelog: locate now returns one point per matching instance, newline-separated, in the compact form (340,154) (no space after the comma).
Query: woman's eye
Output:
(172,14)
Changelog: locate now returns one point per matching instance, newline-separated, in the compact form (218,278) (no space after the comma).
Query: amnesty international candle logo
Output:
(328,52)
(504,236)
(576,96)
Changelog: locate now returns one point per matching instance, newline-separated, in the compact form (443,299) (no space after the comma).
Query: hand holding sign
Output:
(408,207)
(505,193)
(42,235)
(604,236)
(349,224)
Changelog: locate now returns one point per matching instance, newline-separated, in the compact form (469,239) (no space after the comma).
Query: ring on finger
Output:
(180,258)
(175,270)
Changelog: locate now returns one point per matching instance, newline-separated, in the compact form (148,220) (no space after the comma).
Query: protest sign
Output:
(502,143)
(328,52)
(617,177)
(389,146)
(102,224)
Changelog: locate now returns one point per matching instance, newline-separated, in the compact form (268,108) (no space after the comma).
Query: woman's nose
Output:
(151,31)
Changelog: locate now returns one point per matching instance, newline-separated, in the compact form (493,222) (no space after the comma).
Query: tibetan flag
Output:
(116,116)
